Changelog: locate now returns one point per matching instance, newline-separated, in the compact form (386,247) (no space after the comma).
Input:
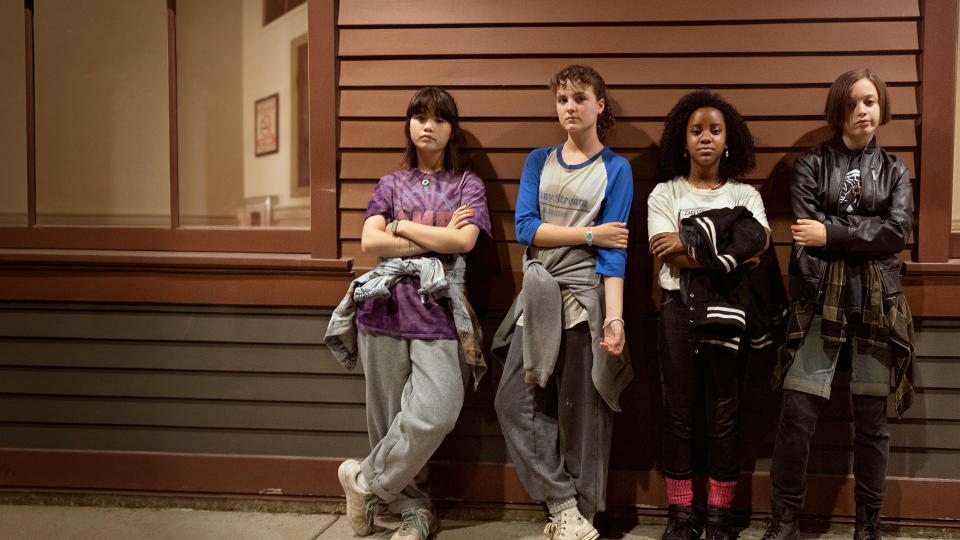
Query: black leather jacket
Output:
(878,231)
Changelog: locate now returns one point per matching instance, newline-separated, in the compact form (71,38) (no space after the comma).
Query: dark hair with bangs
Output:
(673,143)
(835,110)
(435,100)
(584,76)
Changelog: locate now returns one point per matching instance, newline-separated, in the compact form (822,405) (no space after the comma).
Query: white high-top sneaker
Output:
(570,525)
(361,506)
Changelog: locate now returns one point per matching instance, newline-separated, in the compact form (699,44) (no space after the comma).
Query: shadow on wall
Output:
(637,430)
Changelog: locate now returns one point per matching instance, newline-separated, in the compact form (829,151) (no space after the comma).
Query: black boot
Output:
(718,524)
(867,526)
(682,524)
(784,524)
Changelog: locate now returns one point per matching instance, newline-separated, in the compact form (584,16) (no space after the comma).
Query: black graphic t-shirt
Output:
(850,189)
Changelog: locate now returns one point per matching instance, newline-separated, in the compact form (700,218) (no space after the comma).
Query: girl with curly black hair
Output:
(704,147)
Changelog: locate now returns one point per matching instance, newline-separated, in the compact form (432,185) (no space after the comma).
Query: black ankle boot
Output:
(718,524)
(784,524)
(682,524)
(867,526)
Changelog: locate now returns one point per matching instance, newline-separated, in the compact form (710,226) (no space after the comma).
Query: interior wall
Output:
(210,111)
(13,96)
(102,112)
(267,69)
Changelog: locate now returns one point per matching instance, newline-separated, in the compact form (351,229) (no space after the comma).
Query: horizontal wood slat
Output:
(821,37)
(183,414)
(896,68)
(498,166)
(938,341)
(627,102)
(185,440)
(171,356)
(838,432)
(630,134)
(417,12)
(147,325)
(931,464)
(122,285)
(937,373)
(341,388)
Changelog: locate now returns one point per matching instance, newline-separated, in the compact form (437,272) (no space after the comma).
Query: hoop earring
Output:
(726,153)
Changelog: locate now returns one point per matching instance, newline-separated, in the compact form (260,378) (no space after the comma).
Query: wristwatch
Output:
(589,236)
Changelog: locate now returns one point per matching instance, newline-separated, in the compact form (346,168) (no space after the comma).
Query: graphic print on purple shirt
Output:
(402,195)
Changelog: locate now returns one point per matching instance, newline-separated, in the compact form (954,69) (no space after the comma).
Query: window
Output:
(160,148)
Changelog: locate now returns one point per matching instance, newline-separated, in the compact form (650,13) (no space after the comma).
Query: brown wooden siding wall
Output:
(770,60)
(773,61)
(202,390)
(256,381)
(175,379)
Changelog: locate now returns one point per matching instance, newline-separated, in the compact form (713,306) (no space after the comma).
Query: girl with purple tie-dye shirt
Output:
(409,344)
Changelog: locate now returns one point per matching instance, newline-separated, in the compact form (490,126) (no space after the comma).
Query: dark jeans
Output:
(684,372)
(799,412)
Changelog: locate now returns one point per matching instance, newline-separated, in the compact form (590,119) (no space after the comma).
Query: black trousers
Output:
(684,373)
(799,413)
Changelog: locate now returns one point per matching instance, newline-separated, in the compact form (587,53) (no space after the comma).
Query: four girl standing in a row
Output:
(564,372)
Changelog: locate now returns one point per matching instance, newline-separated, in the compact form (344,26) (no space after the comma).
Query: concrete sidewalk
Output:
(29,522)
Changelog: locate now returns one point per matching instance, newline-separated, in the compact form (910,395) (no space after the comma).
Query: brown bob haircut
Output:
(587,76)
(438,102)
(835,110)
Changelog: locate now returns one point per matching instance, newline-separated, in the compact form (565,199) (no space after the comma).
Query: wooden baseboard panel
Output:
(282,476)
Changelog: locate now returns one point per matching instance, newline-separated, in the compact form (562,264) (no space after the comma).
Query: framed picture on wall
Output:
(266,125)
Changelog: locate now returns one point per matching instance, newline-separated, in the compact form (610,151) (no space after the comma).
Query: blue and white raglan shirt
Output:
(597,191)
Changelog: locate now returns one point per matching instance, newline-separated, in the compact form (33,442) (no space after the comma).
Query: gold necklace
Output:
(715,186)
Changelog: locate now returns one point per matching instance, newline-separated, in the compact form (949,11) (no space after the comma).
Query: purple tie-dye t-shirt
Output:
(403,195)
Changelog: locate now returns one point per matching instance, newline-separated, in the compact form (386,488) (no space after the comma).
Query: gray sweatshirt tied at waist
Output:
(545,272)
(435,283)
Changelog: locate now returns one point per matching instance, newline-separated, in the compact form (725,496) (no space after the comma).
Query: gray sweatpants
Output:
(558,437)
(414,395)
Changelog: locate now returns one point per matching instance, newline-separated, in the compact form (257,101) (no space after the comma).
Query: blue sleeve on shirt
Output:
(616,207)
(527,215)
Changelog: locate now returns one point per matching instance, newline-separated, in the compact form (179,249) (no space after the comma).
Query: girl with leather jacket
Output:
(853,211)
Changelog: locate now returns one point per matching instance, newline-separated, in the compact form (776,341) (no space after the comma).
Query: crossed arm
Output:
(869,236)
(607,235)
(667,247)
(459,236)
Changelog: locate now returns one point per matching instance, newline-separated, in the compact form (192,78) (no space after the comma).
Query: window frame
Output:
(939,82)
(319,241)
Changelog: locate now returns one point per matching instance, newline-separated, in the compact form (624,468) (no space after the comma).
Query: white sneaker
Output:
(570,525)
(418,524)
(361,506)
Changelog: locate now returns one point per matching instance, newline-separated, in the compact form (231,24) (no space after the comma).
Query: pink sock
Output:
(680,492)
(721,494)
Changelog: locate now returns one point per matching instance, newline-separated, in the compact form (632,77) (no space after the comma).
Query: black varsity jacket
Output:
(728,301)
